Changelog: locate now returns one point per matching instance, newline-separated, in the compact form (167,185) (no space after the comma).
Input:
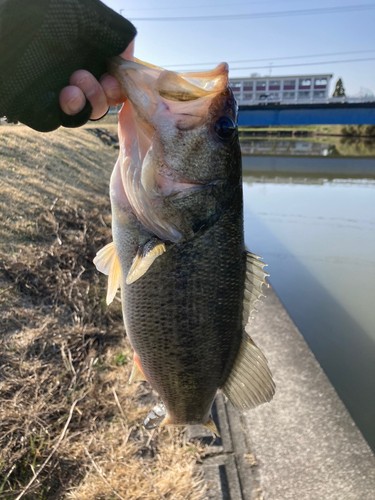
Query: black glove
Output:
(42,42)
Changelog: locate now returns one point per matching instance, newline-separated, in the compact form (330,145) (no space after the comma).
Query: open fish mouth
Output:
(160,104)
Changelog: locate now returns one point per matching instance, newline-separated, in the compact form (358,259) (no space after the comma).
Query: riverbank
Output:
(306,141)
(357,131)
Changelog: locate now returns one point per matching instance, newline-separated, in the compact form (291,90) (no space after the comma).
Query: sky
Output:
(338,31)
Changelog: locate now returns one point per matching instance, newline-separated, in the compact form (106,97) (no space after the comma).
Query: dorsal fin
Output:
(250,381)
(106,261)
(255,279)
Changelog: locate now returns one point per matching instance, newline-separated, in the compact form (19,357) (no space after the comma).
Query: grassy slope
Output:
(59,343)
(36,169)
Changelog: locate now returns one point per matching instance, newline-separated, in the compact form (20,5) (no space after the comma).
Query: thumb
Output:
(111,86)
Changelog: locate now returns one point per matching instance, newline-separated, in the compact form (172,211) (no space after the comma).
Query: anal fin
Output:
(136,374)
(144,259)
(250,382)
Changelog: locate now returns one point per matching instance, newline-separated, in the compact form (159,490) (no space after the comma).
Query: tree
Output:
(339,89)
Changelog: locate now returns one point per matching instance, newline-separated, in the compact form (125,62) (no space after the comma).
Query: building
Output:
(285,89)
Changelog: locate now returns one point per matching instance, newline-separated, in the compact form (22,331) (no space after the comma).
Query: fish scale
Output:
(184,335)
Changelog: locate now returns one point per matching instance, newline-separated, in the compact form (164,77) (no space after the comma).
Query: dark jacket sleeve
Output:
(42,42)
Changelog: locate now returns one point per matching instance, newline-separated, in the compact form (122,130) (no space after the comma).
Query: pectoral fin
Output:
(144,259)
(250,381)
(106,261)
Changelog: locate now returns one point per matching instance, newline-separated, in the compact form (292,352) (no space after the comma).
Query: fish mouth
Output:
(158,100)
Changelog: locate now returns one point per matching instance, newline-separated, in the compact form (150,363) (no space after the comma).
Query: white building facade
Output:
(281,89)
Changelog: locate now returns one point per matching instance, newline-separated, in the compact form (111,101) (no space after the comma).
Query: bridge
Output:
(325,113)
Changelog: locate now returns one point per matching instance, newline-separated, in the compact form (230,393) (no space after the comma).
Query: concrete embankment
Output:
(324,166)
(304,445)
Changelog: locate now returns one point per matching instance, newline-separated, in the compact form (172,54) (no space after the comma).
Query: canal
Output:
(311,216)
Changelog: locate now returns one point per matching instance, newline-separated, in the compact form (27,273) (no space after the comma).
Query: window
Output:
(236,86)
(319,93)
(303,146)
(261,85)
(247,85)
(248,96)
(274,85)
(304,82)
(274,95)
(289,84)
(304,95)
(289,95)
(320,82)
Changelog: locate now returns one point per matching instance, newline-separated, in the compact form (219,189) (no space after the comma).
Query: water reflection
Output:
(318,237)
(333,147)
(287,148)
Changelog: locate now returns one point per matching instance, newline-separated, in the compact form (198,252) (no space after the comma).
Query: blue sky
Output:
(182,42)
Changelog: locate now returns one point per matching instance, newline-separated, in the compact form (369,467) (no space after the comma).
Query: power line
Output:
(271,59)
(260,15)
(305,64)
(226,4)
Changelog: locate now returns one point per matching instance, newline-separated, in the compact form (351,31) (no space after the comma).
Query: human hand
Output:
(42,45)
(101,94)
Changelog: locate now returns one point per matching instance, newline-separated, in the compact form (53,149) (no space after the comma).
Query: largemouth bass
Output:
(178,254)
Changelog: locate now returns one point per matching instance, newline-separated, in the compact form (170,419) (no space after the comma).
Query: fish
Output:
(188,284)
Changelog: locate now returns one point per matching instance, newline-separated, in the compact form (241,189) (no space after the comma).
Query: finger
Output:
(112,90)
(93,91)
(72,100)
(111,87)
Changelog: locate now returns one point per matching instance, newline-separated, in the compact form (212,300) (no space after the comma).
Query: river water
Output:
(312,219)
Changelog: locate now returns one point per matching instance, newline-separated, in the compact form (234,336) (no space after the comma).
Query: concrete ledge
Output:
(305,443)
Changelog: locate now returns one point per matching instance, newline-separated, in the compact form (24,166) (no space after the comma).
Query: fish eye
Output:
(225,127)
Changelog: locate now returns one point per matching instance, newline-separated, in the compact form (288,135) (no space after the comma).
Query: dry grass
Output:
(70,425)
